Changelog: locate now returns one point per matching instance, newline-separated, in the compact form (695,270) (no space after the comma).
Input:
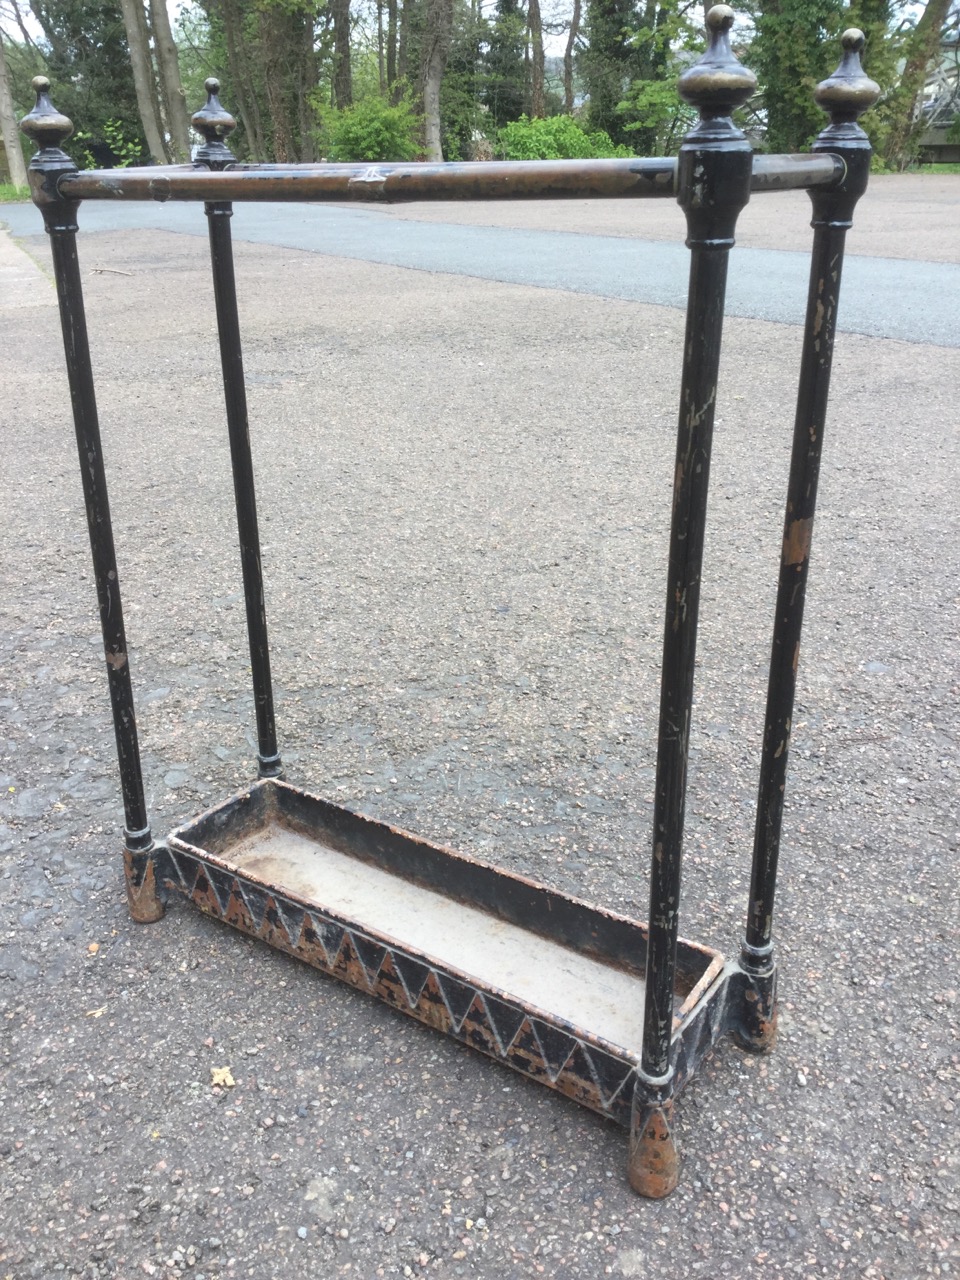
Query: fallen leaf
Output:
(93,948)
(222,1076)
(96,1013)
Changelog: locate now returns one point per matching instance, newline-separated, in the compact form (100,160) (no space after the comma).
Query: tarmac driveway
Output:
(464,488)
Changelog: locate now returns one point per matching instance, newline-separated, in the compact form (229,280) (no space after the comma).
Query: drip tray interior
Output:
(532,970)
(575,965)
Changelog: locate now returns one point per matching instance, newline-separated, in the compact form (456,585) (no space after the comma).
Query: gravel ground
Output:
(464,490)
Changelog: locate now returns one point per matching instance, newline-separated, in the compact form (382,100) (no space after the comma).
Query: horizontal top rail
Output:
(399,183)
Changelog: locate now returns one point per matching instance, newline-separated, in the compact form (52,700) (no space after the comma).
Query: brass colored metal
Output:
(849,92)
(388,183)
(398,184)
(45,126)
(717,83)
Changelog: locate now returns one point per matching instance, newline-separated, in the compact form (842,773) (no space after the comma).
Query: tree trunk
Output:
(391,42)
(403,34)
(169,67)
(8,126)
(274,26)
(437,36)
(49,24)
(381,68)
(135,25)
(922,47)
(342,75)
(535,23)
(309,78)
(568,59)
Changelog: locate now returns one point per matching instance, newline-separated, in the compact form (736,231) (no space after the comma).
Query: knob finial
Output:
(849,91)
(45,126)
(718,82)
(214,123)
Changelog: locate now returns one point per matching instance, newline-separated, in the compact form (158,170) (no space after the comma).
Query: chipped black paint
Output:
(693,998)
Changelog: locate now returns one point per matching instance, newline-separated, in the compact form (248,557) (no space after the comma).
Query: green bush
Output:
(126,151)
(371,130)
(654,112)
(556,138)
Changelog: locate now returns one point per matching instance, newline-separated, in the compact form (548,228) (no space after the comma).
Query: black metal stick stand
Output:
(215,124)
(845,96)
(609,1011)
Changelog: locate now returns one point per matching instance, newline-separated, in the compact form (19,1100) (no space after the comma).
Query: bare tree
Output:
(922,48)
(8,127)
(437,37)
(135,24)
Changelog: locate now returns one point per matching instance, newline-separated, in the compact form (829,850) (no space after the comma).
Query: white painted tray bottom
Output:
(585,992)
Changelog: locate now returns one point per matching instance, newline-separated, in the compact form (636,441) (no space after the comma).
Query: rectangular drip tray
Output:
(546,984)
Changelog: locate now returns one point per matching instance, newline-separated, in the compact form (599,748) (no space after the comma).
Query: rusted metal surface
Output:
(143,898)
(568,1057)
(229,831)
(756,1025)
(654,1165)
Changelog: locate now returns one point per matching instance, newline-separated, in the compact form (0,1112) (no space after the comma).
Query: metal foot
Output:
(146,905)
(757,1031)
(654,1165)
(756,1026)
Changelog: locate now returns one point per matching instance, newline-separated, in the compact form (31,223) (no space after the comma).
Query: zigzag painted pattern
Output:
(552,1053)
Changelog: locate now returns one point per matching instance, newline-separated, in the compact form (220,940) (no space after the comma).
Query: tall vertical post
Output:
(47,129)
(215,124)
(845,96)
(714,175)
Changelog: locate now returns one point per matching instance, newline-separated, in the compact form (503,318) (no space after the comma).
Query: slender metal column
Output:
(715,172)
(214,123)
(845,95)
(47,128)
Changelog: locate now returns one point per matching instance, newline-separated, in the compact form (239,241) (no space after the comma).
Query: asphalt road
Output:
(915,301)
(464,489)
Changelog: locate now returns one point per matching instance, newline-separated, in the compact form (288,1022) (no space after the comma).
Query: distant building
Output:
(940,139)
